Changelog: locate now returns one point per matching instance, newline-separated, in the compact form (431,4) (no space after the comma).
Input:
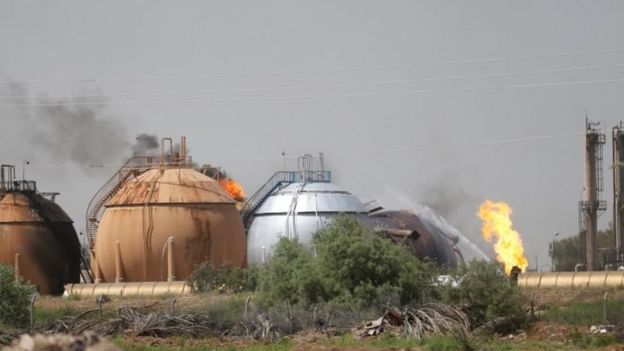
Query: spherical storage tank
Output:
(166,219)
(37,237)
(429,241)
(296,205)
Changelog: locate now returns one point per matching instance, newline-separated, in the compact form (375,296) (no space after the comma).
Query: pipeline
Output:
(596,279)
(129,289)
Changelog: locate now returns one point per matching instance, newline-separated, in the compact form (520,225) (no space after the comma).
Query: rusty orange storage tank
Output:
(163,221)
(37,238)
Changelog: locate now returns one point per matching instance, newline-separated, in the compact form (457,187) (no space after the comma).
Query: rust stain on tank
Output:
(178,202)
(40,231)
(202,237)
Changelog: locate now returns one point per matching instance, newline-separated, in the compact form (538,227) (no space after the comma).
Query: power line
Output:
(319,96)
(333,85)
(526,139)
(320,70)
(518,140)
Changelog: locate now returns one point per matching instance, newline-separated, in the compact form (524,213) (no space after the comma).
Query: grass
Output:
(437,343)
(228,310)
(44,316)
(179,344)
(383,341)
(587,313)
(595,343)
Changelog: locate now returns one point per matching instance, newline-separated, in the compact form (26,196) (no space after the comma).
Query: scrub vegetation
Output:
(324,295)
(353,270)
(349,267)
(15,298)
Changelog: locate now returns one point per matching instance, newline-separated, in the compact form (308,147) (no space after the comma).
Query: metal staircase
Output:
(277,181)
(134,166)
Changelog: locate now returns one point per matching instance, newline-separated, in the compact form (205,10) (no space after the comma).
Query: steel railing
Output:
(135,165)
(278,180)
(18,185)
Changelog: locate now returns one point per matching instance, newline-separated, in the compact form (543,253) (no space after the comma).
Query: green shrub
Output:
(362,267)
(226,314)
(225,279)
(14,298)
(352,267)
(485,292)
(290,276)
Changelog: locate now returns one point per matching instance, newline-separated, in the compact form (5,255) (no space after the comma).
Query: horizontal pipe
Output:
(399,233)
(596,279)
(129,289)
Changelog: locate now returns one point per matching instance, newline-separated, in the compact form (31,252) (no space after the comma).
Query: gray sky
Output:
(380,86)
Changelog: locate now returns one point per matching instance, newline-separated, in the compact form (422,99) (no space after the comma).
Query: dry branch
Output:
(418,322)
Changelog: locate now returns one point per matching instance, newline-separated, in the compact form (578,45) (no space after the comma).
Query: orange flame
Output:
(496,217)
(234,189)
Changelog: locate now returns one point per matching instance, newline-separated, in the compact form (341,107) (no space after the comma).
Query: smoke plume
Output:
(146,145)
(82,129)
(450,199)
(84,134)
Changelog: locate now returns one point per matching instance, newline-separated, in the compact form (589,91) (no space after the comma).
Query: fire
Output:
(496,217)
(234,189)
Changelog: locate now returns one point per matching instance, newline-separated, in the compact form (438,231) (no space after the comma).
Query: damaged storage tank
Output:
(158,218)
(424,240)
(295,205)
(37,237)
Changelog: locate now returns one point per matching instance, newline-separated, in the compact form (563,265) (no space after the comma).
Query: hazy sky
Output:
(383,88)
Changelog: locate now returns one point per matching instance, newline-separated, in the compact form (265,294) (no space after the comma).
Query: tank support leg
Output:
(96,269)
(18,272)
(170,260)
(118,270)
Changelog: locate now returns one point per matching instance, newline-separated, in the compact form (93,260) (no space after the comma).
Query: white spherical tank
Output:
(297,211)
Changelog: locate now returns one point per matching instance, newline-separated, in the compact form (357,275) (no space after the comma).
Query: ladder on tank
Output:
(134,166)
(277,181)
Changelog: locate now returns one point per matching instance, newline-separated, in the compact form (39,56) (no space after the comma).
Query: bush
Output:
(352,267)
(362,267)
(14,298)
(486,293)
(225,279)
(290,276)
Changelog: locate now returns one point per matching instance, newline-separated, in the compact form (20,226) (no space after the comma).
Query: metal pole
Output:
(552,256)
(96,268)
(32,312)
(555,234)
(170,260)
(17,268)
(118,268)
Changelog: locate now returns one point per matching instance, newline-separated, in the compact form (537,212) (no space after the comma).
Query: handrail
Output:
(95,208)
(279,179)
(18,186)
